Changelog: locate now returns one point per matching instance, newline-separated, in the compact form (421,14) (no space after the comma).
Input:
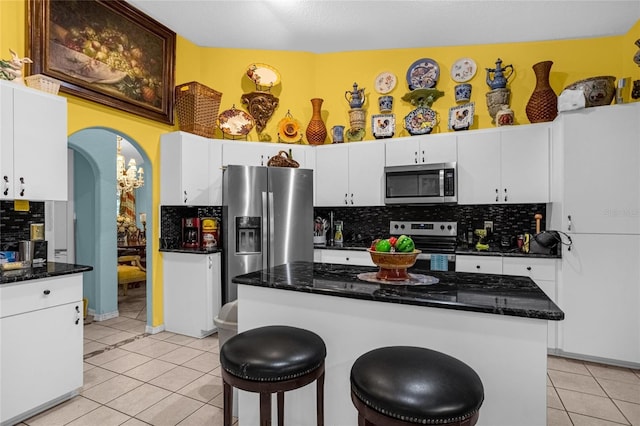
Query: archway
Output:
(95,229)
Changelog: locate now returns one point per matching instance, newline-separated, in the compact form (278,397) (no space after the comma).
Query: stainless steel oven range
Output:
(437,240)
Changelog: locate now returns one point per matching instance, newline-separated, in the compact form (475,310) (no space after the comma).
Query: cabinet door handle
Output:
(346,198)
(528,268)
(47,292)
(477,266)
(416,157)
(569,223)
(497,196)
(210,262)
(351,198)
(21,186)
(77,314)
(6,185)
(423,156)
(505,194)
(185,197)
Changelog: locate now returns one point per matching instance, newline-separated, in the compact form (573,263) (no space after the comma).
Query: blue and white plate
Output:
(420,121)
(423,74)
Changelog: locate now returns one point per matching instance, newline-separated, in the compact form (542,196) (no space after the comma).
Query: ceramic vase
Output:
(543,104)
(316,130)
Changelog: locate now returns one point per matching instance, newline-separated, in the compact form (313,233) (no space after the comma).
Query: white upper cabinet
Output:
(597,170)
(505,165)
(244,153)
(33,144)
(425,149)
(190,170)
(349,174)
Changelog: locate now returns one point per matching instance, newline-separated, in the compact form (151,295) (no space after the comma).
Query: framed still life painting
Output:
(107,52)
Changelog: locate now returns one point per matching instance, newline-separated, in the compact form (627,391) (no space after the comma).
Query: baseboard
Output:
(105,316)
(599,360)
(154,330)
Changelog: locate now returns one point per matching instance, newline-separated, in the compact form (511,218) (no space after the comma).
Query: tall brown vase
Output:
(316,130)
(543,103)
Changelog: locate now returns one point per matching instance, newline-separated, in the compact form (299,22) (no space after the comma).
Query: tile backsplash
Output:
(364,224)
(14,225)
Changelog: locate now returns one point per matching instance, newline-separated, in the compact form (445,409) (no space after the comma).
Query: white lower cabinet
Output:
(41,353)
(599,294)
(542,271)
(479,264)
(192,293)
(343,257)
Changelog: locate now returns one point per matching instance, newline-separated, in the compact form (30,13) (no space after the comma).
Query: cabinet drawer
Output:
(347,257)
(29,296)
(535,268)
(479,264)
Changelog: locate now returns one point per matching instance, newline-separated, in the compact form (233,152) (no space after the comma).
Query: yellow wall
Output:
(306,75)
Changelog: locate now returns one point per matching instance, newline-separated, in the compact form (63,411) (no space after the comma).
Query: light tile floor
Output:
(132,379)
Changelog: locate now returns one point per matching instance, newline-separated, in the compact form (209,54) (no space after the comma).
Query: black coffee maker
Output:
(191,233)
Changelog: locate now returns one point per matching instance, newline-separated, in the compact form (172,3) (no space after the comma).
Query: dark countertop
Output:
(466,251)
(494,294)
(47,270)
(191,251)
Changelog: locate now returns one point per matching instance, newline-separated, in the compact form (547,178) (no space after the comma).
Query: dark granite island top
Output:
(488,293)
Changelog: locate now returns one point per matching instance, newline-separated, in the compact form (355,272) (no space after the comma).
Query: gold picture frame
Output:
(107,52)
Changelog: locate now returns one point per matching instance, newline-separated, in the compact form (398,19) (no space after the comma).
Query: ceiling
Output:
(321,26)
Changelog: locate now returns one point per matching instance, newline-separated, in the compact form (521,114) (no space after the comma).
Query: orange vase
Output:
(316,130)
(543,104)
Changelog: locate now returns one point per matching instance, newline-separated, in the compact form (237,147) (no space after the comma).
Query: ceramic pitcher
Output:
(355,97)
(499,80)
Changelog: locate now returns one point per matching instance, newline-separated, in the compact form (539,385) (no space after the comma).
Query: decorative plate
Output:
(422,74)
(289,129)
(461,116)
(385,82)
(420,121)
(463,70)
(235,122)
(383,125)
(263,75)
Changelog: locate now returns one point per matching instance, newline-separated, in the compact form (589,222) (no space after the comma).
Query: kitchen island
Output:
(497,324)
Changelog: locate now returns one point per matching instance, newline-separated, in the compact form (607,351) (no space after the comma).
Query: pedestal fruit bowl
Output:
(393,265)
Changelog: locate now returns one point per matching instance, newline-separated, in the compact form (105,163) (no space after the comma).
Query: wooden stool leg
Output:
(228,403)
(265,409)
(320,400)
(280,408)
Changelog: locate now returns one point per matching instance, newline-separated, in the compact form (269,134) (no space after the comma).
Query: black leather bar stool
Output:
(405,385)
(272,359)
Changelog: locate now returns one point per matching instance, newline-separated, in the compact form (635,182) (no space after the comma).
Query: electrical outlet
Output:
(488,224)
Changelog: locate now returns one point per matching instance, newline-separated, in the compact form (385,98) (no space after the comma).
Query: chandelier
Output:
(130,178)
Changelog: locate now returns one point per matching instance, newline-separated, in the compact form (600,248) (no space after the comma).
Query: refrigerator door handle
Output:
(271,232)
(265,230)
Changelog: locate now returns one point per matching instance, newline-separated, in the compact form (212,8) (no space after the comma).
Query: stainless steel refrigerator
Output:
(267,218)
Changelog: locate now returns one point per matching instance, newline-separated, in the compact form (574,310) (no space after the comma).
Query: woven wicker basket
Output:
(282,160)
(43,83)
(197,107)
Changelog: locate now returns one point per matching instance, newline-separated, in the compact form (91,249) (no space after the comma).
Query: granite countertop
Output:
(465,251)
(47,270)
(191,251)
(494,294)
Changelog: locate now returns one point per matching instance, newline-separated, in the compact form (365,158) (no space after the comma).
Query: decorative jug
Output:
(355,97)
(499,80)
(337,134)
(316,129)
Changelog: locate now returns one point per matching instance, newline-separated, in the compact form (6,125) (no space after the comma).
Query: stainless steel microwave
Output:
(421,184)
